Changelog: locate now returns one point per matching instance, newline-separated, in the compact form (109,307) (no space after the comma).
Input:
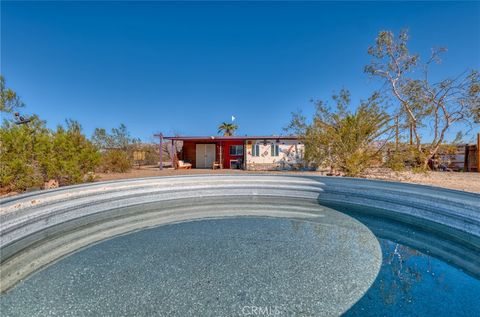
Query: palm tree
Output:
(227,128)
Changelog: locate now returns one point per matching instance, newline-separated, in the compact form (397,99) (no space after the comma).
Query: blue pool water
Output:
(411,283)
(249,266)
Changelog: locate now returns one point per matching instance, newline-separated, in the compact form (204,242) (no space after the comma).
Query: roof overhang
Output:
(229,138)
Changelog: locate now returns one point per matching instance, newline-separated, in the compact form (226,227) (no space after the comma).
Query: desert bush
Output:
(32,154)
(117,148)
(340,139)
(151,154)
(396,162)
(117,138)
(116,161)
(72,155)
(19,168)
(405,157)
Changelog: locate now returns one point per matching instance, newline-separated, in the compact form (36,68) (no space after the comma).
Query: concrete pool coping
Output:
(457,209)
(26,219)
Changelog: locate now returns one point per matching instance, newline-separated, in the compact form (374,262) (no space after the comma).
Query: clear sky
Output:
(186,67)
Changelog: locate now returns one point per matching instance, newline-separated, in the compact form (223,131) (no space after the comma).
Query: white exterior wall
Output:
(290,155)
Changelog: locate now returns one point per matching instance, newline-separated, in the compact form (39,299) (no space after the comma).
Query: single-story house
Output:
(239,152)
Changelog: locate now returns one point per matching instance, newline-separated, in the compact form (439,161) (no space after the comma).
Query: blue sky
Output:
(186,67)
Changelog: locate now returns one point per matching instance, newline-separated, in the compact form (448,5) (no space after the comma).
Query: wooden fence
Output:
(472,156)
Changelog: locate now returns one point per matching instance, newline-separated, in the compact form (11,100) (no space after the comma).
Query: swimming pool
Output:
(243,255)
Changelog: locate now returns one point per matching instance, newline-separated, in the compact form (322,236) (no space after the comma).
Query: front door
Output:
(205,155)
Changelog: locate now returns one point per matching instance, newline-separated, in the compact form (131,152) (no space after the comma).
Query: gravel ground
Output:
(469,182)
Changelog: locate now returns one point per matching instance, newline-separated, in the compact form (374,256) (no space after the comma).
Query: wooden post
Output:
(221,155)
(244,165)
(478,152)
(172,154)
(465,160)
(161,150)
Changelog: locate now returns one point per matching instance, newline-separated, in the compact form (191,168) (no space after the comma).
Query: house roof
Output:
(230,138)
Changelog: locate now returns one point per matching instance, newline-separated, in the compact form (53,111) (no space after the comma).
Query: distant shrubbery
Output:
(116,161)
(33,154)
(117,148)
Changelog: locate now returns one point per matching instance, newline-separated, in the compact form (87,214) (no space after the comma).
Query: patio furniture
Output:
(179,164)
(217,165)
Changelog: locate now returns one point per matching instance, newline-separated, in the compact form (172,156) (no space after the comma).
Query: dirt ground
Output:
(469,182)
(461,181)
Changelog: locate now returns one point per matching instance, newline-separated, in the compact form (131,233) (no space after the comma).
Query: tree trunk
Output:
(425,163)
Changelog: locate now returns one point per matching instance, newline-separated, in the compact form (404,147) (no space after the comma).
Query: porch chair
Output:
(217,165)
(179,164)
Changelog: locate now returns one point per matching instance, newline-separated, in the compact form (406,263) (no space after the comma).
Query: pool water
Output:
(251,266)
(411,283)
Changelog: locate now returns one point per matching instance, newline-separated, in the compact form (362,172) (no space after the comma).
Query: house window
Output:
(236,149)
(256,150)
(236,164)
(274,150)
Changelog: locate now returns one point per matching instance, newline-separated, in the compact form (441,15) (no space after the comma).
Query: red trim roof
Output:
(230,138)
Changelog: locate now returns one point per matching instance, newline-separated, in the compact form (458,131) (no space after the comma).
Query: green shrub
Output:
(31,154)
(151,154)
(396,161)
(19,169)
(72,155)
(116,161)
(117,148)
(420,169)
(341,139)
(19,175)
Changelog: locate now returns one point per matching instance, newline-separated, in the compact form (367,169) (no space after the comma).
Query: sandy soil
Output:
(453,180)
(469,182)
